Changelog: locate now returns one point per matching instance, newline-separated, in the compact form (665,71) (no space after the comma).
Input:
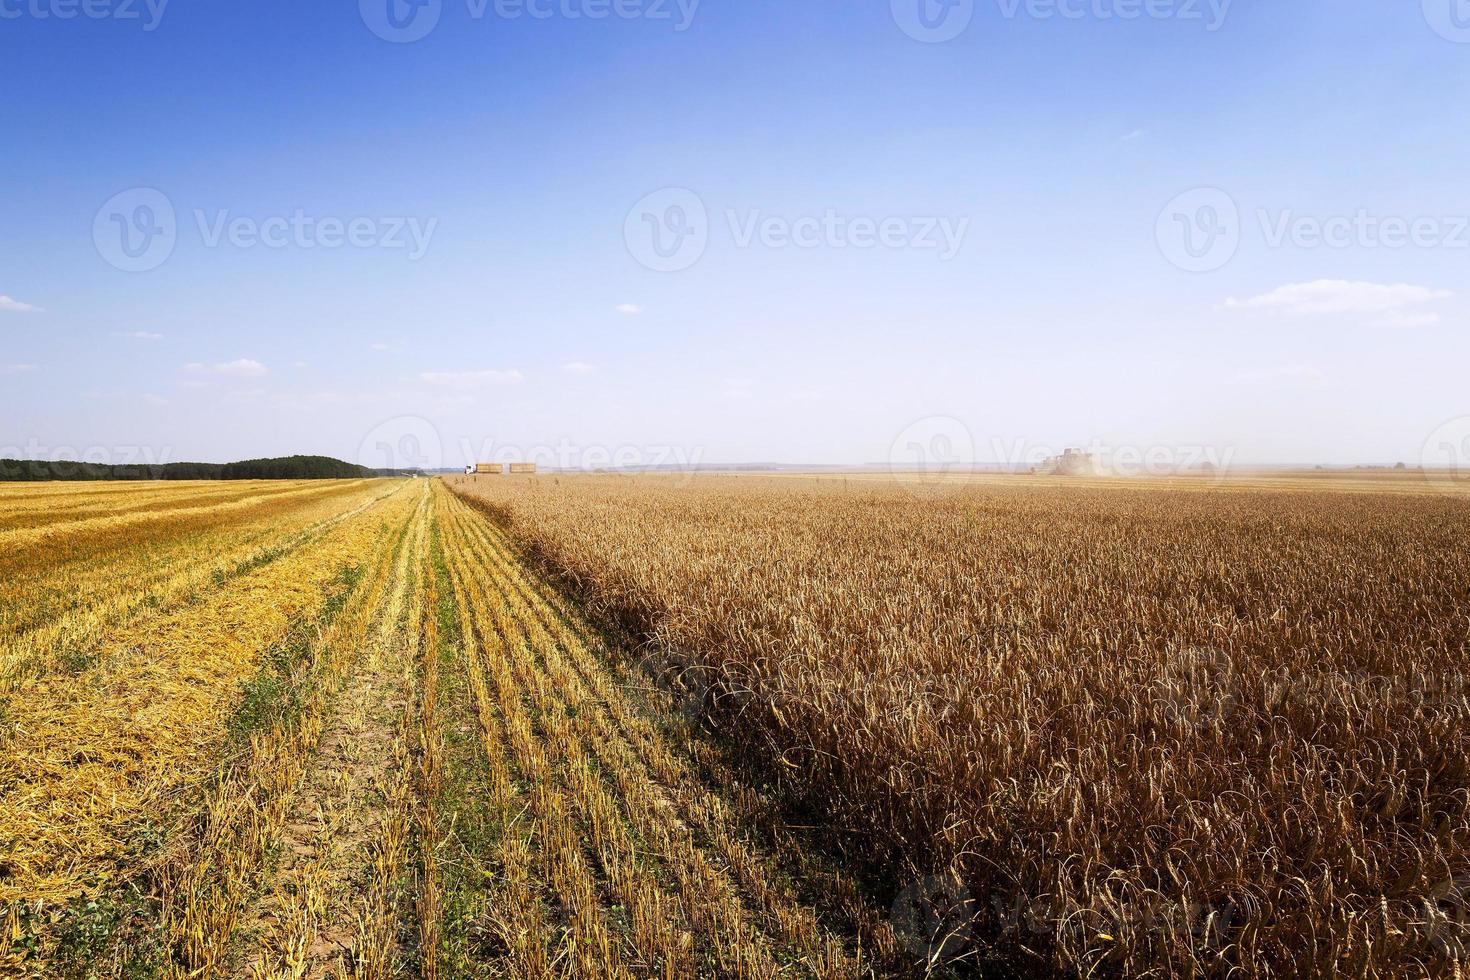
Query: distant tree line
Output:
(284,468)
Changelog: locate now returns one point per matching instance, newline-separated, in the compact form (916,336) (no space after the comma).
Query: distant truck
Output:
(498,469)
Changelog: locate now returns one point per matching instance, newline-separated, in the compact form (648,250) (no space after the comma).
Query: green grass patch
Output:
(467,879)
(276,696)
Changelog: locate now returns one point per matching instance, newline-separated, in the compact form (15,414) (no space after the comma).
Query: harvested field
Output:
(354,736)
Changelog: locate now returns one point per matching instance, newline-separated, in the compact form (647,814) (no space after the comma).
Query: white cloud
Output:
(378,346)
(579,367)
(9,305)
(6,370)
(242,368)
(142,335)
(1326,297)
(468,380)
(155,400)
(1136,134)
(629,309)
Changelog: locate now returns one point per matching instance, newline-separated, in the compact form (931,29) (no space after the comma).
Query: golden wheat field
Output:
(1090,727)
(756,727)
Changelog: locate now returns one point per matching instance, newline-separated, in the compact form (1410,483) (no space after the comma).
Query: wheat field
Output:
(758,727)
(1105,727)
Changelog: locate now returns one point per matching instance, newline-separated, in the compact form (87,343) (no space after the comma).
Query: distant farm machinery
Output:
(1072,462)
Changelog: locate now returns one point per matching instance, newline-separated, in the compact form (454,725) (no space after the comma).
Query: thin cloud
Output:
(1130,137)
(8,305)
(470,380)
(1337,297)
(241,368)
(7,370)
(378,346)
(141,335)
(579,368)
(629,309)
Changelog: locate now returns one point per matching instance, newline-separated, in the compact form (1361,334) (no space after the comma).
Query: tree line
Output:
(283,468)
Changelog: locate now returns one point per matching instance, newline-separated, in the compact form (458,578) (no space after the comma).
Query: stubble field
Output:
(342,731)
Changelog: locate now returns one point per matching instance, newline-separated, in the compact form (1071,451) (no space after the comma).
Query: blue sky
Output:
(980,237)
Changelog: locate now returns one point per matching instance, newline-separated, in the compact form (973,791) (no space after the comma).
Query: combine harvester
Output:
(1072,462)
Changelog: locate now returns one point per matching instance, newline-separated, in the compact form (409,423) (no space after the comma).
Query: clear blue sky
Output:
(1051,147)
